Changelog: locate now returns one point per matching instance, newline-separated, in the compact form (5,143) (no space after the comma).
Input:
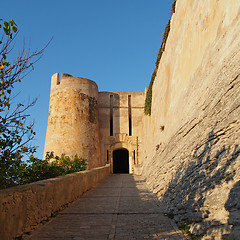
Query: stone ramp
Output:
(121,207)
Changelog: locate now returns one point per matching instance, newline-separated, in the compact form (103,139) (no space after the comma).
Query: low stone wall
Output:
(25,206)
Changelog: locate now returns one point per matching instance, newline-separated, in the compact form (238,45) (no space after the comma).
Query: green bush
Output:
(37,169)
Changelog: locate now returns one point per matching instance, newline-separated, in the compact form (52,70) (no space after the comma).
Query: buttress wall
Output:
(192,139)
(73,125)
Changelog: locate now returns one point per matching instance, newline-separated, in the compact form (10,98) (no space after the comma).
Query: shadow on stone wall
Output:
(233,207)
(195,194)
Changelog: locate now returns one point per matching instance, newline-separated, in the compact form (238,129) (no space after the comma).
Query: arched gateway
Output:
(121,161)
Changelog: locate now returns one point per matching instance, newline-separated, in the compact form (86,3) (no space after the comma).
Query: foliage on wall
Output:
(148,99)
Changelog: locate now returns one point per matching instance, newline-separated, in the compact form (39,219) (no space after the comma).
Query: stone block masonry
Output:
(92,124)
(24,207)
(73,126)
(193,162)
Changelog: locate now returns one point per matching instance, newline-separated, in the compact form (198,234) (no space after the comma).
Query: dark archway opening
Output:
(121,161)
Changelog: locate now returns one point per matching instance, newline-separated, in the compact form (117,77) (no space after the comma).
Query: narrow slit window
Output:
(107,157)
(111,115)
(129,115)
(134,157)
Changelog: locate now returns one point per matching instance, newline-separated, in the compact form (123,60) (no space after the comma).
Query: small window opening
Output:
(107,157)
(134,157)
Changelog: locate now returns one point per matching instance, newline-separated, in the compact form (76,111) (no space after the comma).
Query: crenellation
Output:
(67,81)
(55,81)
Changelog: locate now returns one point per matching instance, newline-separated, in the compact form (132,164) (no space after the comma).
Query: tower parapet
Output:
(67,81)
(73,125)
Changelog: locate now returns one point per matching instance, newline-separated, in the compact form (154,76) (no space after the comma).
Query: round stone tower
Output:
(73,126)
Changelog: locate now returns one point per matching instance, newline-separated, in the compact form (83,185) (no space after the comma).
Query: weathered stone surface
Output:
(121,207)
(73,126)
(79,121)
(25,206)
(196,97)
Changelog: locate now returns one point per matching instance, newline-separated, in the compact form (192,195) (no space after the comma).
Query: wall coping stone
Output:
(25,206)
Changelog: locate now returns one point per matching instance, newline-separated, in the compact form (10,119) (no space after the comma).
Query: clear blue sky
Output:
(112,42)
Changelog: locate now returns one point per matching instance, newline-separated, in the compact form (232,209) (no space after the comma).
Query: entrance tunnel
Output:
(121,161)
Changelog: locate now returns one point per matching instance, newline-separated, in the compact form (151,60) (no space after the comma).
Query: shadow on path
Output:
(121,207)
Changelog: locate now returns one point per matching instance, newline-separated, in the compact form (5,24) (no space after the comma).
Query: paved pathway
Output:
(121,207)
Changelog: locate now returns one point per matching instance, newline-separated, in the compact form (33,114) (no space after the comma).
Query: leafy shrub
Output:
(36,169)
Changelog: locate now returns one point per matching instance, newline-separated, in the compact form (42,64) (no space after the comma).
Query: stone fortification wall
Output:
(73,126)
(192,139)
(23,207)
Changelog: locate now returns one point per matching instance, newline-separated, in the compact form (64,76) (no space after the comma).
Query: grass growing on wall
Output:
(148,99)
